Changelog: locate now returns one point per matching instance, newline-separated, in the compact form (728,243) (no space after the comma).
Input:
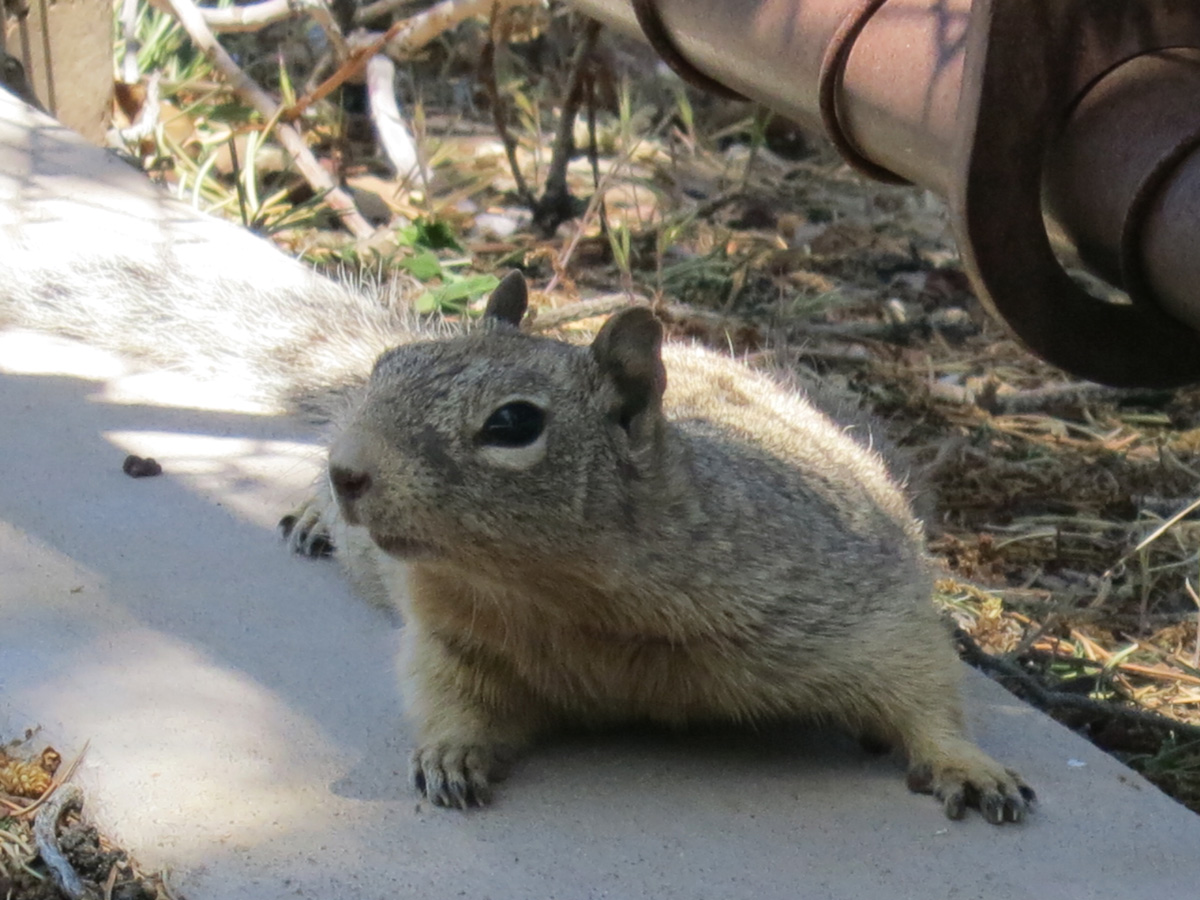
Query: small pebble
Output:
(136,467)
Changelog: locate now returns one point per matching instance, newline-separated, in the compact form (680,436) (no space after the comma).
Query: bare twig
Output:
(594,150)
(549,319)
(487,74)
(256,16)
(564,257)
(319,12)
(402,40)
(193,22)
(555,205)
(1191,592)
(394,135)
(45,835)
(1048,699)
(1155,534)
(421,29)
(354,64)
(147,119)
(239,184)
(110,882)
(129,65)
(1053,395)
(378,10)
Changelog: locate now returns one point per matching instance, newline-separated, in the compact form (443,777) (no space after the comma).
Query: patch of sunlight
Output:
(31,353)
(254,478)
(122,382)
(188,746)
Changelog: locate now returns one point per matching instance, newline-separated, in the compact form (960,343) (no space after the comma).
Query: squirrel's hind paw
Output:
(454,775)
(306,529)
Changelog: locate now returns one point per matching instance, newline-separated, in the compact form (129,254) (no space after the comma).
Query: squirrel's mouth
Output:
(401,547)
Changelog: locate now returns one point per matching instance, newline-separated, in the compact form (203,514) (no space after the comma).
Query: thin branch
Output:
(555,206)
(193,22)
(393,131)
(319,12)
(239,183)
(129,64)
(254,16)
(604,305)
(404,39)
(435,21)
(66,799)
(378,10)
(1052,395)
(257,16)
(594,149)
(487,74)
(1047,699)
(564,256)
(147,119)
(353,65)
(1153,536)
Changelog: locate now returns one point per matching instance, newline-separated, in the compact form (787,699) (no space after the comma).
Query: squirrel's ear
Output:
(509,300)
(629,351)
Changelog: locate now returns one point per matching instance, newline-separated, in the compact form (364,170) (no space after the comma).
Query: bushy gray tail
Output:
(296,346)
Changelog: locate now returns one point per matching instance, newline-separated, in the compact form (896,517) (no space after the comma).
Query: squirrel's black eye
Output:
(515,424)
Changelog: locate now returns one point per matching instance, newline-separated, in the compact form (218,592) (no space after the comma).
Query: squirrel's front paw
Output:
(974,779)
(457,775)
(306,529)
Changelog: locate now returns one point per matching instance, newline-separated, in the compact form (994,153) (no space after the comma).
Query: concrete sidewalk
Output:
(242,707)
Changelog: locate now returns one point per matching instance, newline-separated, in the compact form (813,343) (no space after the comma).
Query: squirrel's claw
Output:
(306,529)
(1001,798)
(453,775)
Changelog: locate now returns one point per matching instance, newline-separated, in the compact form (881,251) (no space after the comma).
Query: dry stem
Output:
(487,72)
(403,39)
(193,22)
(555,206)
(393,132)
(1048,699)
(256,16)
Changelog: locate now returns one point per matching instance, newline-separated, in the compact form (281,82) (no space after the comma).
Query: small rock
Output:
(136,467)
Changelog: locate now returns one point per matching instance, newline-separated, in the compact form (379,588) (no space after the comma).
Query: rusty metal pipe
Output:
(1067,101)
(772,51)
(1135,119)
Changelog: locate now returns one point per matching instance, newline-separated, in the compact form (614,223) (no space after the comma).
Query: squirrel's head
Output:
(499,442)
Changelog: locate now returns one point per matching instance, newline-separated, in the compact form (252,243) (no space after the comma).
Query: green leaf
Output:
(423,266)
(431,235)
(425,304)
(455,294)
(467,288)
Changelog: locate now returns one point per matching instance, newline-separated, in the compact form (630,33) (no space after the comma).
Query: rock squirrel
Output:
(634,531)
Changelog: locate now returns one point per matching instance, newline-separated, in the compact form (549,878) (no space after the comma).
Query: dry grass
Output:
(31,786)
